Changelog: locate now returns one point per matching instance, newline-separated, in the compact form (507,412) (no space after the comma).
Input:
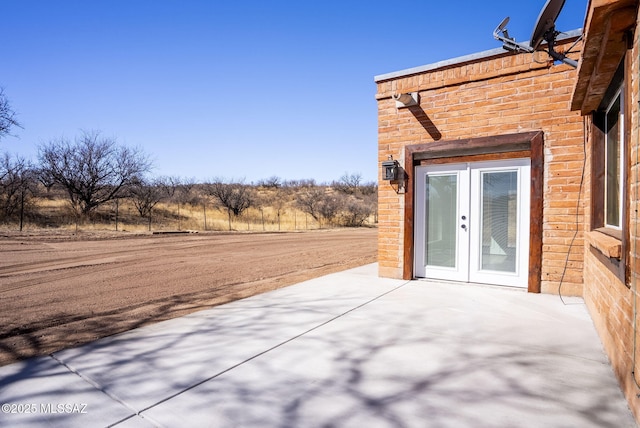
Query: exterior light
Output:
(406,100)
(390,169)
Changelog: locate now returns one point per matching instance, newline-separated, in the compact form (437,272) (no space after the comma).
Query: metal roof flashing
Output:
(461,59)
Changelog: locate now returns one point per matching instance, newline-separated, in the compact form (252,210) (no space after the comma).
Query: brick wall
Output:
(630,317)
(493,95)
(610,301)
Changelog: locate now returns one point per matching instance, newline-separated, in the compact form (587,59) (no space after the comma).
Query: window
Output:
(614,162)
(609,161)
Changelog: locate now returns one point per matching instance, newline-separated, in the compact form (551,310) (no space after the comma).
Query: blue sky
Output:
(233,89)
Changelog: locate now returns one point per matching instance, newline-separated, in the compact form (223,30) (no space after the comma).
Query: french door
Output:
(472,222)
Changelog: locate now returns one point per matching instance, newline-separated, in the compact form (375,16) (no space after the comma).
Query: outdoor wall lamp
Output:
(390,169)
(406,100)
(393,172)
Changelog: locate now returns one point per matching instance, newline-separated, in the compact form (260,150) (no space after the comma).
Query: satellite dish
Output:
(503,27)
(544,30)
(546,22)
(508,43)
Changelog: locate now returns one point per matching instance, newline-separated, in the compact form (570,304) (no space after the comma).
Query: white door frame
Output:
(460,271)
(468,266)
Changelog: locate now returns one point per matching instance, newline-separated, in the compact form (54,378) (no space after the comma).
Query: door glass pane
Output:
(499,221)
(440,240)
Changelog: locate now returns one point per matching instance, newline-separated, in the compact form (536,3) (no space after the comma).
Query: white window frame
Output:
(620,95)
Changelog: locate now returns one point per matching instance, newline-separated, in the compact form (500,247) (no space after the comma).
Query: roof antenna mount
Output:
(544,30)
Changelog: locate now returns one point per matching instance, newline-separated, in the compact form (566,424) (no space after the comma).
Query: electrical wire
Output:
(585,130)
(575,232)
(568,51)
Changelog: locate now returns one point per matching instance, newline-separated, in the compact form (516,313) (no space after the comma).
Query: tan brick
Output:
(496,96)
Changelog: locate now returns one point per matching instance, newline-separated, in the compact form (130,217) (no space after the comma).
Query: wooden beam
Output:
(527,144)
(603,49)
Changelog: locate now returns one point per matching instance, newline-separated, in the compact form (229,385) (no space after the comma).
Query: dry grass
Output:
(191,217)
(55,213)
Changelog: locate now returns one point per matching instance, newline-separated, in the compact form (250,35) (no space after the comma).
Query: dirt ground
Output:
(58,291)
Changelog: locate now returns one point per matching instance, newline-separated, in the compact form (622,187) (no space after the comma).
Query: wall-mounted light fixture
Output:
(390,169)
(406,100)
(394,174)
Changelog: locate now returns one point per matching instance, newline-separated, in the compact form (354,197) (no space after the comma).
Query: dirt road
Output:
(57,293)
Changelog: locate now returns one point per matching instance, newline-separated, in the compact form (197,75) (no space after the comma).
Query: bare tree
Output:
(309,201)
(355,212)
(180,191)
(185,191)
(369,189)
(299,184)
(319,204)
(348,184)
(330,207)
(261,201)
(93,170)
(7,116)
(17,185)
(45,178)
(145,196)
(235,197)
(371,200)
(273,182)
(280,201)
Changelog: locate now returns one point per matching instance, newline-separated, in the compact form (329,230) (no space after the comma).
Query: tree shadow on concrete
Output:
(66,330)
(377,377)
(293,361)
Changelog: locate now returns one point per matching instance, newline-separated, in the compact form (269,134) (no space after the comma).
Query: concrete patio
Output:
(345,350)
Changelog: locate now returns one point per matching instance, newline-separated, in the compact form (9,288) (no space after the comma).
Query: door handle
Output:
(464,226)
